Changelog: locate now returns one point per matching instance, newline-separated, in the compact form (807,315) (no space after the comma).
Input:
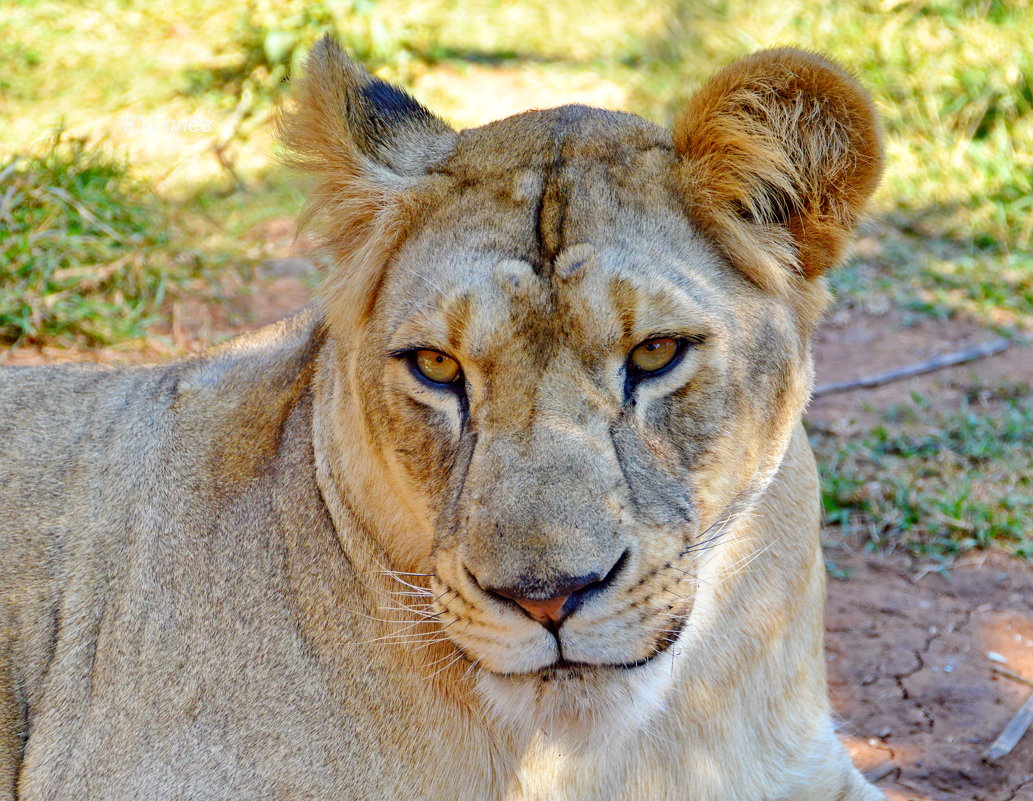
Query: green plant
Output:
(936,482)
(85,250)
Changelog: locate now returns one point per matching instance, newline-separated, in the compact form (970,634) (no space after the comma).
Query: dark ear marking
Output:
(384,105)
(383,117)
(368,144)
(342,112)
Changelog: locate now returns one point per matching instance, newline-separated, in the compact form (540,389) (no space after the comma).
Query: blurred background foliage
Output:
(105,222)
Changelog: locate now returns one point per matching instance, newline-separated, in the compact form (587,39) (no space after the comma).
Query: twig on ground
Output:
(1013,732)
(1013,676)
(881,772)
(991,348)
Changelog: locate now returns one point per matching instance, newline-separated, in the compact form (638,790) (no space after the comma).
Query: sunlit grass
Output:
(87,254)
(953,80)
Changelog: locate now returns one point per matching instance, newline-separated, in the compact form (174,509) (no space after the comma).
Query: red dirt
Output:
(868,345)
(907,649)
(909,675)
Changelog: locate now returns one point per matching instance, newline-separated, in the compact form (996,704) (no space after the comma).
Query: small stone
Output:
(993,656)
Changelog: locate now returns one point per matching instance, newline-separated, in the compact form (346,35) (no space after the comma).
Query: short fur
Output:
(262,573)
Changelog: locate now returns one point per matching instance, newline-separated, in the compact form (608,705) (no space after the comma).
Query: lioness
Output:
(522,509)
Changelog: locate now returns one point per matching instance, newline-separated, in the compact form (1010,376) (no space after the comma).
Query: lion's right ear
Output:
(779,154)
(366,142)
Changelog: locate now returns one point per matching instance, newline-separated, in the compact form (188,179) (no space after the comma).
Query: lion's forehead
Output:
(594,299)
(538,139)
(550,244)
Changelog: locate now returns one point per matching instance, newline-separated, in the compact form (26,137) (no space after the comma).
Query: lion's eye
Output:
(436,366)
(654,354)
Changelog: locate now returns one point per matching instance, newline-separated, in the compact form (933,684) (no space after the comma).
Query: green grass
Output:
(87,253)
(92,257)
(936,483)
(953,80)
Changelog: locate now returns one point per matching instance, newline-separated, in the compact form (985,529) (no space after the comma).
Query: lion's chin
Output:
(577,702)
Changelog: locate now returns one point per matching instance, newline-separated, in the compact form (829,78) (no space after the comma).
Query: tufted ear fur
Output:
(367,143)
(780,152)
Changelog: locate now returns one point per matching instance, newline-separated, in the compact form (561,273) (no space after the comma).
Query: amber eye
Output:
(436,366)
(654,354)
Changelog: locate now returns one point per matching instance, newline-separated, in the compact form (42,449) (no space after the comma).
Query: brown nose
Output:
(550,609)
(564,594)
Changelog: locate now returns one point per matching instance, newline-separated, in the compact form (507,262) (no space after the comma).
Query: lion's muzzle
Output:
(562,596)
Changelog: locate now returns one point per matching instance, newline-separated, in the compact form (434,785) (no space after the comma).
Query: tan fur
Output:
(262,573)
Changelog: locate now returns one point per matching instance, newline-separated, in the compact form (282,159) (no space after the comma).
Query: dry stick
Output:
(1013,676)
(946,360)
(1013,732)
(217,144)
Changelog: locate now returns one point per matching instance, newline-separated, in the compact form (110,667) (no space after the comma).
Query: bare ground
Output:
(916,693)
(911,682)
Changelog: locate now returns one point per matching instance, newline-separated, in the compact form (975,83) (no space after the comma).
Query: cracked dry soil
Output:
(916,694)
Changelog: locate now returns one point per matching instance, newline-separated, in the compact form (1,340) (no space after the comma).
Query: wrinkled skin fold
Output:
(311,562)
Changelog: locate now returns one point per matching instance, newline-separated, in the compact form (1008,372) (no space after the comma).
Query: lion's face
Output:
(547,458)
(573,378)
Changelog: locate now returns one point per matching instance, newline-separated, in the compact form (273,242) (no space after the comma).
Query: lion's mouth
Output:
(561,669)
(567,670)
(564,670)
(580,649)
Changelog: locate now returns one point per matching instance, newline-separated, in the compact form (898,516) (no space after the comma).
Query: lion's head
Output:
(576,345)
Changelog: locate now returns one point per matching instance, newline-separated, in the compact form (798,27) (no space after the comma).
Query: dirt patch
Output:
(278,288)
(907,646)
(911,681)
(869,345)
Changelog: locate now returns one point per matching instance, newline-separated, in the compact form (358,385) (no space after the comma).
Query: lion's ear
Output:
(779,154)
(367,142)
(344,120)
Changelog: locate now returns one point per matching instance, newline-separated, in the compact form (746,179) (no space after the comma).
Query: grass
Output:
(92,257)
(98,232)
(953,80)
(936,483)
(88,255)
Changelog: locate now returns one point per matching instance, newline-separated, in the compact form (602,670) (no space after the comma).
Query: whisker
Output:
(411,594)
(399,637)
(410,585)
(442,659)
(421,613)
(458,656)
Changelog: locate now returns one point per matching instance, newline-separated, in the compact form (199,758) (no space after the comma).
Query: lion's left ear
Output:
(369,144)
(779,154)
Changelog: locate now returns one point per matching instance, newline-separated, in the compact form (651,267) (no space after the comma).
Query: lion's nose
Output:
(553,610)
(554,603)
